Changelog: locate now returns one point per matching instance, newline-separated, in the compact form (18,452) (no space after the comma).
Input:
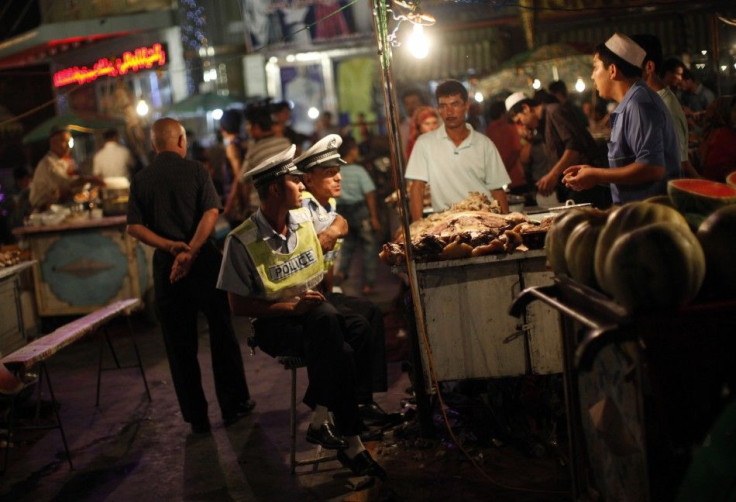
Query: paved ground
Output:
(132,449)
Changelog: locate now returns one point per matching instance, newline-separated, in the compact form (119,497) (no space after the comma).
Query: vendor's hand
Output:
(181,266)
(580,177)
(176,247)
(375,224)
(307,301)
(546,185)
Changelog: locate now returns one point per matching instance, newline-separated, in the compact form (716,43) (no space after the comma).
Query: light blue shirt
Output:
(356,182)
(454,171)
(642,130)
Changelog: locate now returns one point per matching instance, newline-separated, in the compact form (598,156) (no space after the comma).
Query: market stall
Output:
(18,318)
(85,263)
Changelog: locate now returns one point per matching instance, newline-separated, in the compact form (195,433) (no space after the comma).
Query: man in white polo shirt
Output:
(454,159)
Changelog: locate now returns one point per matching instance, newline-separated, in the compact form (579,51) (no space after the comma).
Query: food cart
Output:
(85,263)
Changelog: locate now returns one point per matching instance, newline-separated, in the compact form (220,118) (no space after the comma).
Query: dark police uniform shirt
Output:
(170,196)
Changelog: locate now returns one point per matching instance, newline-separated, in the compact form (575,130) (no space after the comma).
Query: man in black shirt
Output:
(173,207)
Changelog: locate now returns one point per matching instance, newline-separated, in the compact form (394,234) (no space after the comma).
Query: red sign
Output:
(142,58)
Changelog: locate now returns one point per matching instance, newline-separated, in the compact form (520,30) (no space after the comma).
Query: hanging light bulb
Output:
(141,108)
(217,114)
(537,84)
(418,42)
(478,96)
(580,84)
(312,113)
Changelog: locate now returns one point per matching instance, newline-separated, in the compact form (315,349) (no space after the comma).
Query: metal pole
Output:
(380,24)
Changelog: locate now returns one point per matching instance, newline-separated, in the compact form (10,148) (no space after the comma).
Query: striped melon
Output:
(658,266)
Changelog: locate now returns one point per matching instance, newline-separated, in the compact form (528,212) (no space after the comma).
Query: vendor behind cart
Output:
(454,159)
(643,152)
(54,180)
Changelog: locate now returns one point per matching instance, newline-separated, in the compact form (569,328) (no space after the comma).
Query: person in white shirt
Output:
(113,159)
(454,159)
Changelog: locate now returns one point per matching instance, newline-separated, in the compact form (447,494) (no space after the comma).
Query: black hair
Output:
(110,134)
(544,97)
(558,87)
(530,102)
(263,189)
(653,48)
(670,65)
(496,109)
(230,121)
(451,88)
(259,114)
(609,57)
(687,74)
(348,143)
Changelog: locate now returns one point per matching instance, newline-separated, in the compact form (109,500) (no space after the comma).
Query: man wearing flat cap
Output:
(643,151)
(273,262)
(54,179)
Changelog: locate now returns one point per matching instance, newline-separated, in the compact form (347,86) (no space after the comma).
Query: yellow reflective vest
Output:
(285,275)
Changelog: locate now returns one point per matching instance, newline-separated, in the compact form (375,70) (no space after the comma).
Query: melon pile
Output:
(653,255)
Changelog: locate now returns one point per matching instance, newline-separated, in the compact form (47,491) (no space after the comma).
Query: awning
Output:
(197,104)
(76,124)
(38,45)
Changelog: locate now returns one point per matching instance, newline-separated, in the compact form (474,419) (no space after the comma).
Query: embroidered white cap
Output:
(626,49)
(515,98)
(322,153)
(277,165)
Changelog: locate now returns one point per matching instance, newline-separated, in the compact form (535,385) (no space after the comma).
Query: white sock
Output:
(321,415)
(355,446)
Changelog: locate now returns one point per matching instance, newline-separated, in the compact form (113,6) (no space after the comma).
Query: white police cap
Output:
(277,165)
(322,152)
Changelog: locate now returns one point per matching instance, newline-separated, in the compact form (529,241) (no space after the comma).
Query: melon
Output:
(559,232)
(580,251)
(717,236)
(731,179)
(625,219)
(659,266)
(699,195)
(661,199)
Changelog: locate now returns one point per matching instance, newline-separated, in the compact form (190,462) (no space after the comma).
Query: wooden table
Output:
(85,264)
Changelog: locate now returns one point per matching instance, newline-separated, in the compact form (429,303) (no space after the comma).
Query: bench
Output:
(41,349)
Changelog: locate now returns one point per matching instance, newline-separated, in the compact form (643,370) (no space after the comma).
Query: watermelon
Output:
(717,236)
(731,179)
(659,266)
(700,196)
(624,219)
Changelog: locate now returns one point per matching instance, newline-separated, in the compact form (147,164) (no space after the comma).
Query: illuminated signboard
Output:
(142,58)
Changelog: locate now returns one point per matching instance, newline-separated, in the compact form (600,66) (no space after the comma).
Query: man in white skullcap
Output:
(643,152)
(271,265)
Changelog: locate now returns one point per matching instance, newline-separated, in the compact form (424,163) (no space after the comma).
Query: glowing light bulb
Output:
(71,142)
(723,67)
(141,108)
(704,52)
(537,84)
(478,97)
(418,43)
(217,114)
(580,84)
(312,113)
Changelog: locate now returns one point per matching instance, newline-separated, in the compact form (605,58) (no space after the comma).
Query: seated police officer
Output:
(321,167)
(272,262)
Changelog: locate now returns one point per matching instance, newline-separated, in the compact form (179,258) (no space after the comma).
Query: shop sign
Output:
(142,58)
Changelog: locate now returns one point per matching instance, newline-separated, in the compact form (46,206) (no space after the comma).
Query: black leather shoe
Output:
(362,464)
(372,414)
(327,436)
(242,410)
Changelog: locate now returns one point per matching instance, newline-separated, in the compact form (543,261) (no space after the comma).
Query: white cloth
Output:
(50,179)
(454,171)
(113,160)
(678,117)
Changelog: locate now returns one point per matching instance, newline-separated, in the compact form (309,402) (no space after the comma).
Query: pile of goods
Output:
(658,254)
(469,228)
(10,258)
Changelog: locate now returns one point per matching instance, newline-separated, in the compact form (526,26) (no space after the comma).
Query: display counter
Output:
(85,264)
(470,332)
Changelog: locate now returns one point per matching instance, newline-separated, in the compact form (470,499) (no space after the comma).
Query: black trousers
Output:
(374,366)
(178,306)
(321,337)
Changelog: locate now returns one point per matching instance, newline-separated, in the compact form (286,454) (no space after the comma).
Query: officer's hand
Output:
(308,301)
